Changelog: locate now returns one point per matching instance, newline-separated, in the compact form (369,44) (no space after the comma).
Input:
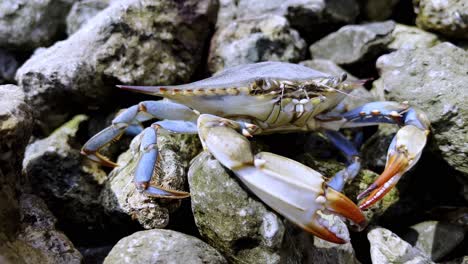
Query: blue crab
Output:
(263,98)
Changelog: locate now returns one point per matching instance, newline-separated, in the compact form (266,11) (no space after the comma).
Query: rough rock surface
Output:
(8,66)
(26,25)
(449,18)
(407,37)
(69,183)
(162,246)
(312,18)
(436,239)
(354,43)
(242,228)
(433,80)
(131,41)
(386,247)
(15,130)
(267,38)
(377,10)
(82,11)
(120,195)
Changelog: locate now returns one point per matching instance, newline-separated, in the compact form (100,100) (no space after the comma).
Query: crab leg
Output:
(405,149)
(296,191)
(338,181)
(130,120)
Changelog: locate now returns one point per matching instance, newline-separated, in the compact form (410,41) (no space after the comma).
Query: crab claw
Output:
(403,153)
(103,138)
(301,195)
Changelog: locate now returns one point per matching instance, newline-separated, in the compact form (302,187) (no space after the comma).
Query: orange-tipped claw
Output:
(316,228)
(343,206)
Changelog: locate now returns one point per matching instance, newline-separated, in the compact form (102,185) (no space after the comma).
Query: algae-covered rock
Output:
(69,183)
(26,25)
(130,42)
(449,18)
(267,38)
(433,80)
(386,247)
(407,37)
(354,43)
(120,195)
(162,246)
(436,239)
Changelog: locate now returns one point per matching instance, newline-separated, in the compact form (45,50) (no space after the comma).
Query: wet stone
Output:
(267,38)
(407,37)
(82,11)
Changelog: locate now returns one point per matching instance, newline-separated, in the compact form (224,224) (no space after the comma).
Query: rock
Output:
(327,66)
(69,183)
(406,37)
(83,11)
(26,25)
(120,195)
(38,241)
(162,246)
(386,247)
(436,239)
(15,130)
(8,66)
(374,150)
(449,18)
(432,79)
(354,43)
(131,41)
(312,18)
(377,10)
(243,229)
(268,38)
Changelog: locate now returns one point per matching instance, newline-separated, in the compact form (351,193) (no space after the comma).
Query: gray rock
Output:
(120,195)
(243,229)
(38,241)
(131,41)
(312,18)
(354,43)
(374,150)
(449,18)
(26,25)
(377,10)
(268,38)
(162,246)
(435,238)
(432,80)
(407,37)
(82,11)
(327,66)
(68,182)
(15,130)
(386,247)
(8,66)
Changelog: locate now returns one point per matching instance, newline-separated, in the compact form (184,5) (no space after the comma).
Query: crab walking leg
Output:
(129,120)
(346,175)
(296,191)
(405,149)
(148,161)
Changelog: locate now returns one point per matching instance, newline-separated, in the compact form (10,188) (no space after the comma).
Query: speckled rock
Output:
(8,66)
(69,183)
(268,38)
(26,25)
(433,80)
(82,11)
(120,195)
(386,247)
(131,41)
(313,18)
(354,43)
(447,17)
(38,241)
(435,238)
(377,10)
(162,246)
(15,130)
(243,229)
(407,37)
